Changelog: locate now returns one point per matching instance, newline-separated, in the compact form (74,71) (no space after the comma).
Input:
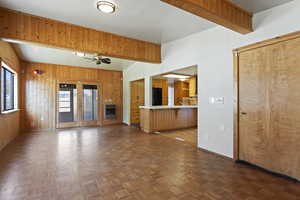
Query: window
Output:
(67,103)
(64,101)
(8,88)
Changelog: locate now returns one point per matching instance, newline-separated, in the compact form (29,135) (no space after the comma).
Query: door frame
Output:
(80,121)
(99,103)
(131,82)
(236,53)
(66,124)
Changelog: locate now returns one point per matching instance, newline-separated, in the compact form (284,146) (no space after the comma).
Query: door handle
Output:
(243,113)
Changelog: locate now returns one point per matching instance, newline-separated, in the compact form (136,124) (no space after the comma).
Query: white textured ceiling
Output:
(190,71)
(255,6)
(40,54)
(149,20)
(187,71)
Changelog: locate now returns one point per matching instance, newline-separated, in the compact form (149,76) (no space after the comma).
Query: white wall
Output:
(211,50)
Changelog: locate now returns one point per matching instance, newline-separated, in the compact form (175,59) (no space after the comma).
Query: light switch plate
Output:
(216,100)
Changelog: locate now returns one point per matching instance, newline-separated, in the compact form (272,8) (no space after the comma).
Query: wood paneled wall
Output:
(9,123)
(39,92)
(160,83)
(26,27)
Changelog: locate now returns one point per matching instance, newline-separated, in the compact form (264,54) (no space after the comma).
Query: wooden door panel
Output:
(253,121)
(285,107)
(269,96)
(137,100)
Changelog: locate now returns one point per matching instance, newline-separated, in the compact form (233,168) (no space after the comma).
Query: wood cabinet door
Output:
(269,107)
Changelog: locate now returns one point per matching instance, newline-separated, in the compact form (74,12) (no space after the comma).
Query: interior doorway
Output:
(175,105)
(77,104)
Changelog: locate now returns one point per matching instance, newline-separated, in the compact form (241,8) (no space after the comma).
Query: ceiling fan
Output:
(98,59)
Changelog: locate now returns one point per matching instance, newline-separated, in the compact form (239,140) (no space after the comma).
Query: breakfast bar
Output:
(163,118)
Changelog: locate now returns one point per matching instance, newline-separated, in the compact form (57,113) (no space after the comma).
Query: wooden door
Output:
(269,107)
(137,91)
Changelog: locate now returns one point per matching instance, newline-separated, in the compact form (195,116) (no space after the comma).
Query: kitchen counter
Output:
(166,107)
(162,118)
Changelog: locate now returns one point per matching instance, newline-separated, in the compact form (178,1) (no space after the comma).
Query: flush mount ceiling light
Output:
(176,76)
(106,6)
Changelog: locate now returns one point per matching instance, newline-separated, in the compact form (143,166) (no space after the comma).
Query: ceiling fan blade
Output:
(106,60)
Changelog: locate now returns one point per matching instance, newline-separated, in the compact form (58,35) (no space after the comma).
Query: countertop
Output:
(166,107)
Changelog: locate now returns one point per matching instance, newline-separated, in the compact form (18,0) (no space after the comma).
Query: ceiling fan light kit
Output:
(94,58)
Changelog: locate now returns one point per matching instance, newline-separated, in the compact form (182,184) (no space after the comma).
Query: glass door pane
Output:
(67,103)
(90,107)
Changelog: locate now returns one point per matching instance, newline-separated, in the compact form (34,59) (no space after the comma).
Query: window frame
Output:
(4,68)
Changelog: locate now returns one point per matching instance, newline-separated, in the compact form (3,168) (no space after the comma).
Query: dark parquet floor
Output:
(120,162)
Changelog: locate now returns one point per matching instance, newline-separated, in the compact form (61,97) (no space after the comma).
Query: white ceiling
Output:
(187,71)
(149,20)
(40,54)
(255,6)
(190,71)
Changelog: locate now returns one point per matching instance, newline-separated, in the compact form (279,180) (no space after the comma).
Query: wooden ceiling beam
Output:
(25,27)
(222,12)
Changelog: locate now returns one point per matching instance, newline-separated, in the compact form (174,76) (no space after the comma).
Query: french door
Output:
(77,104)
